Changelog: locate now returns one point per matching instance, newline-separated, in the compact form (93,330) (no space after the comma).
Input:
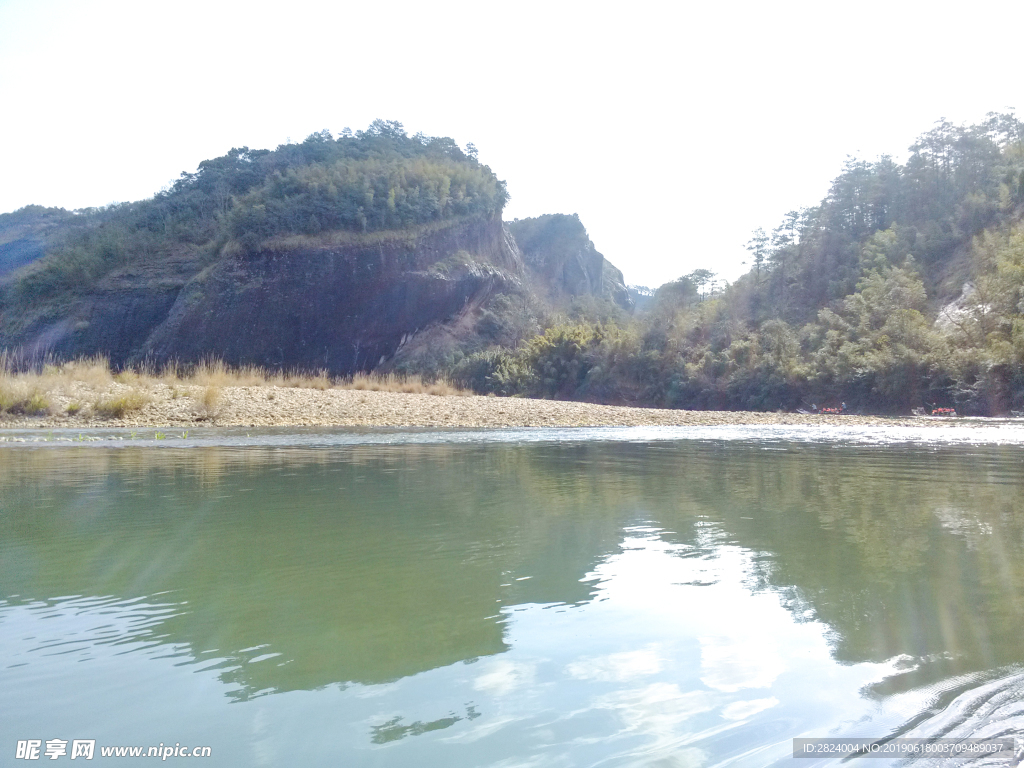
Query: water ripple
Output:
(976,432)
(989,711)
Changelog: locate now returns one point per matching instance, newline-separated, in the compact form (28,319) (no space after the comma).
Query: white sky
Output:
(672,129)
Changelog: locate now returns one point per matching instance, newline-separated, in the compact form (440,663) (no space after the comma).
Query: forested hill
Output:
(316,255)
(902,289)
(957,183)
(363,182)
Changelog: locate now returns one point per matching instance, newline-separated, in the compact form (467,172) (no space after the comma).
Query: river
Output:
(638,597)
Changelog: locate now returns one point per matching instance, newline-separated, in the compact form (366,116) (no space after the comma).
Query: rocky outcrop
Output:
(563,262)
(340,302)
(342,308)
(342,305)
(965,309)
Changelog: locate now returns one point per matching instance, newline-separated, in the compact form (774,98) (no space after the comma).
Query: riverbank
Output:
(157,404)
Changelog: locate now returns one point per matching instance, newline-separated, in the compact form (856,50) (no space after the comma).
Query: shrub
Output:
(560,359)
(209,403)
(494,371)
(119,407)
(7,399)
(34,403)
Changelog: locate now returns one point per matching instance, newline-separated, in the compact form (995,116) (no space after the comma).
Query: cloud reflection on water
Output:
(625,603)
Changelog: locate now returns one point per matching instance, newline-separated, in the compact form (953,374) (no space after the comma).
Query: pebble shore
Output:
(271,406)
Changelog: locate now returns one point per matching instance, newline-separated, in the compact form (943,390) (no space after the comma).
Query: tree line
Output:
(364,181)
(903,288)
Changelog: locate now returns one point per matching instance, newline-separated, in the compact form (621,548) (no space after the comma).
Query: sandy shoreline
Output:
(266,406)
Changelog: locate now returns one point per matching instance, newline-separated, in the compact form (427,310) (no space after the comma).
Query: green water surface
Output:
(562,603)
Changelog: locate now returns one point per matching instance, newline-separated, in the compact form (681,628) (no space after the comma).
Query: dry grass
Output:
(9,396)
(215,373)
(63,387)
(128,376)
(24,395)
(20,386)
(209,403)
(94,371)
(23,403)
(36,405)
(319,381)
(119,407)
(394,383)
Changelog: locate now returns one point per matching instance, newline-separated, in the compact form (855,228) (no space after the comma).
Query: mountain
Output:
(902,289)
(334,254)
(562,262)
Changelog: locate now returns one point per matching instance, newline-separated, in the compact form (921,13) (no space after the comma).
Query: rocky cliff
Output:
(340,302)
(562,261)
(338,306)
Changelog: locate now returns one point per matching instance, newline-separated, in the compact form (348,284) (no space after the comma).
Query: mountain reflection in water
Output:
(693,593)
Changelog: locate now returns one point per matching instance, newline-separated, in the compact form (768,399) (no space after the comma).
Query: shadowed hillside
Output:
(323,254)
(338,254)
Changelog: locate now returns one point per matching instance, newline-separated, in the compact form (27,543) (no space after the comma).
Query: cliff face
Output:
(342,306)
(563,262)
(338,253)
(340,301)
(338,307)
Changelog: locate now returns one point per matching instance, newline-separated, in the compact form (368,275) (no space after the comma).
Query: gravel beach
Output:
(264,406)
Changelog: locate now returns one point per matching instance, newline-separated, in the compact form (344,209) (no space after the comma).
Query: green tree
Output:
(758,245)
(703,280)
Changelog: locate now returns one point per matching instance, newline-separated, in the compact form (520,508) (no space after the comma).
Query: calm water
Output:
(602,598)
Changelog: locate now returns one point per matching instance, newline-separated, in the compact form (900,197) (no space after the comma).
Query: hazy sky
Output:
(672,129)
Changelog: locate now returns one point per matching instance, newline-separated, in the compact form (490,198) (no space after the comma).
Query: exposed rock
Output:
(341,303)
(563,261)
(642,296)
(965,308)
(338,301)
(338,307)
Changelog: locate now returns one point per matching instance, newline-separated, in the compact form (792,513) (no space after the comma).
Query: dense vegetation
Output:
(860,299)
(903,288)
(367,181)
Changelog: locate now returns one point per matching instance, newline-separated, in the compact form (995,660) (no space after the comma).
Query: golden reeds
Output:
(30,390)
